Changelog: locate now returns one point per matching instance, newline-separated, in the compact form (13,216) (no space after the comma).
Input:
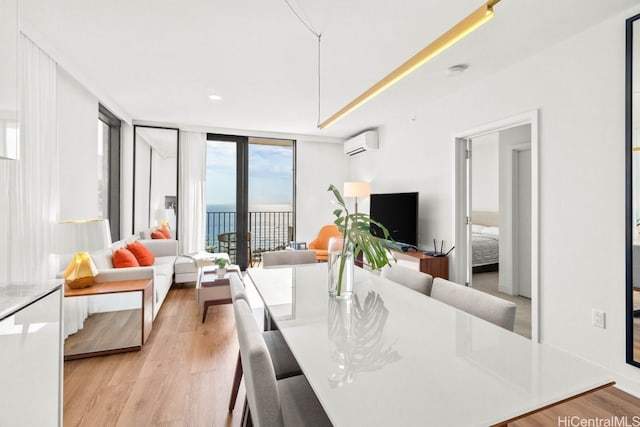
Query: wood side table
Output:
(115,331)
(435,266)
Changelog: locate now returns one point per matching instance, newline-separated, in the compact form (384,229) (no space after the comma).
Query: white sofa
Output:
(161,272)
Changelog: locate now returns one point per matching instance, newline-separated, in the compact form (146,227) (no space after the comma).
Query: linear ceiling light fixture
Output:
(457,32)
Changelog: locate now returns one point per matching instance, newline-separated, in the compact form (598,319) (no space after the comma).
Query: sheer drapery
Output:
(29,185)
(191,206)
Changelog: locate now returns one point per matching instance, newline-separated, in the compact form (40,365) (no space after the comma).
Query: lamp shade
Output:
(166,218)
(82,236)
(356,189)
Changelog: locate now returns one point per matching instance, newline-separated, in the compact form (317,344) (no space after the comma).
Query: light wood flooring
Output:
(183,375)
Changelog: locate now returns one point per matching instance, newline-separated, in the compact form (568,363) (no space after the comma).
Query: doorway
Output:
(496,214)
(249,196)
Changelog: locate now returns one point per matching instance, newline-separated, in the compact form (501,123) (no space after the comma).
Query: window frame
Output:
(113,199)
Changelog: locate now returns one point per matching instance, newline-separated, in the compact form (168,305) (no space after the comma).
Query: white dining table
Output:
(389,356)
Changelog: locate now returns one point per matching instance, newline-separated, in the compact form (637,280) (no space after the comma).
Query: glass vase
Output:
(340,260)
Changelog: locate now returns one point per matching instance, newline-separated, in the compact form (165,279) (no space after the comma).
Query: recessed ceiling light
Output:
(457,69)
(215,97)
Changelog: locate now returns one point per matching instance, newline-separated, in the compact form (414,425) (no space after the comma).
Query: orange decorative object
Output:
(143,255)
(321,242)
(80,272)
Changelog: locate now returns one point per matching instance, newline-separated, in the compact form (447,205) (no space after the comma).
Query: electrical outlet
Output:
(598,318)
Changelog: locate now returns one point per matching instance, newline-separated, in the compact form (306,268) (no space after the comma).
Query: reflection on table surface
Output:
(356,332)
(392,356)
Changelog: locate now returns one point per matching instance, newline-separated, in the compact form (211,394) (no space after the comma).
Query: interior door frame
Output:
(461,208)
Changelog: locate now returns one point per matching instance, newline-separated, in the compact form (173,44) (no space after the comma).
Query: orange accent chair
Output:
(321,243)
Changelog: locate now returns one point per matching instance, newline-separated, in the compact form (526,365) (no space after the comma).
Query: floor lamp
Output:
(356,189)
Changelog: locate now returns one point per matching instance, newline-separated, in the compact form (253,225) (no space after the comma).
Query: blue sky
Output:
(270,174)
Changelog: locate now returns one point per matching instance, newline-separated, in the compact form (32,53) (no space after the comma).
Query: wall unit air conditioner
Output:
(366,141)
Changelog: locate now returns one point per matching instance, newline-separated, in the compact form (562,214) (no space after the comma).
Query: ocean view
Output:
(269,225)
(252,208)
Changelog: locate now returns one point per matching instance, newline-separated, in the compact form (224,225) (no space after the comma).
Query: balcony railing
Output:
(270,231)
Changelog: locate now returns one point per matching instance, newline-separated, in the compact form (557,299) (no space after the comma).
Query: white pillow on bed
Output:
(477,228)
(491,231)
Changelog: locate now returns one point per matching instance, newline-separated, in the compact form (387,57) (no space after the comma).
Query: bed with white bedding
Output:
(485,240)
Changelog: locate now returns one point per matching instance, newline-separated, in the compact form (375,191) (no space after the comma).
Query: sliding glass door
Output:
(250,196)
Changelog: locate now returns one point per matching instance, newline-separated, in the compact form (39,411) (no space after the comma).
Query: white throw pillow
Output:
(491,231)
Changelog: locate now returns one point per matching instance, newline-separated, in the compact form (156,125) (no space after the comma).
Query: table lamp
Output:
(81,237)
(356,189)
(166,218)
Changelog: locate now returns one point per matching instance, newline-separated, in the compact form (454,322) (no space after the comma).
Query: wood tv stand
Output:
(435,266)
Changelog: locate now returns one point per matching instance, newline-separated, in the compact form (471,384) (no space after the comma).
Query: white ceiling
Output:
(159,60)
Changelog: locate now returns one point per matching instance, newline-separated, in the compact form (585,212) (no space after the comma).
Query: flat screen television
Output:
(398,212)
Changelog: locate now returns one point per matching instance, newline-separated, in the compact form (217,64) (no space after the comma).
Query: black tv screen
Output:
(398,212)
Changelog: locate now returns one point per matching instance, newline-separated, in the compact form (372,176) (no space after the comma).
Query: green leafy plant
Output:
(356,229)
(221,262)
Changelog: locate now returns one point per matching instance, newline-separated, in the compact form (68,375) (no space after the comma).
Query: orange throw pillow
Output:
(165,232)
(124,258)
(156,234)
(142,253)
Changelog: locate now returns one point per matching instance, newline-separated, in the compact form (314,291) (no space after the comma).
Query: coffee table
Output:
(187,265)
(212,290)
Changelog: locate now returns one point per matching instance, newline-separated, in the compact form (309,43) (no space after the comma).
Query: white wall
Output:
(408,161)
(510,140)
(77,138)
(484,172)
(578,87)
(78,149)
(318,164)
(164,182)
(142,182)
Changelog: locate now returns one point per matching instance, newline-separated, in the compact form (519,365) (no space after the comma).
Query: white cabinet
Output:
(31,358)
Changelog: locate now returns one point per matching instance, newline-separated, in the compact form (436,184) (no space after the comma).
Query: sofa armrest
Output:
(162,247)
(128,273)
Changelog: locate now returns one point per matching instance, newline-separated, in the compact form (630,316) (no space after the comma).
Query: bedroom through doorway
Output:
(495,211)
(500,189)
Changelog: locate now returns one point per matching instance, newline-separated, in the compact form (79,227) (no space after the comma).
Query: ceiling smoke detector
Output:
(457,69)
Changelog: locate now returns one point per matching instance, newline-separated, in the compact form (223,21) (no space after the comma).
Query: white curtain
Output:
(29,185)
(191,203)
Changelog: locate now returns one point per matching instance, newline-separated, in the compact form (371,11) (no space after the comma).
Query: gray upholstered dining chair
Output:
(284,364)
(272,402)
(284,258)
(488,307)
(414,279)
